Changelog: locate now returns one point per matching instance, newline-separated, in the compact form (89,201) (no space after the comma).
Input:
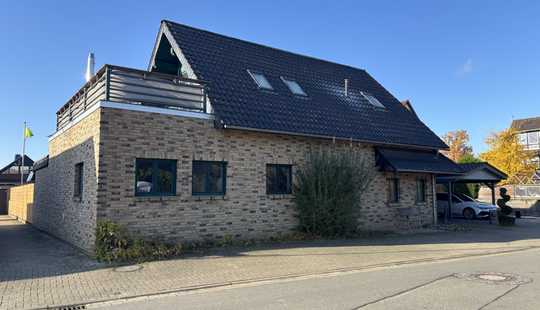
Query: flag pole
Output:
(22,158)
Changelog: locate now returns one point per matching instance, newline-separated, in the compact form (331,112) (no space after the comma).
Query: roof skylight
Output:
(260,80)
(294,87)
(372,100)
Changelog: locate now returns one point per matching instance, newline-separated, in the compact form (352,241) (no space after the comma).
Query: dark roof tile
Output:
(526,124)
(223,62)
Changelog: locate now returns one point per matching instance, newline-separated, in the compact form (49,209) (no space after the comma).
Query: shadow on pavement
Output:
(26,253)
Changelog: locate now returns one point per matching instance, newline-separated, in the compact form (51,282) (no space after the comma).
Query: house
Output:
(10,176)
(528,130)
(206,143)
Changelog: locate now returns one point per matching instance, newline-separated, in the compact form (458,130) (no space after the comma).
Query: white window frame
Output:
(254,73)
(288,83)
(372,100)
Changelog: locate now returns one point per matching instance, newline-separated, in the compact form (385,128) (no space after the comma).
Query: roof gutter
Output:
(409,146)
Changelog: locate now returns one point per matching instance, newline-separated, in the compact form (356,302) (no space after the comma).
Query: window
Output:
(79,177)
(294,87)
(209,178)
(260,80)
(278,179)
(372,100)
(522,138)
(393,190)
(155,177)
(420,190)
(532,140)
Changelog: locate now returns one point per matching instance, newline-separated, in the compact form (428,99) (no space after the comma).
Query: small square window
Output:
(372,100)
(209,178)
(79,177)
(155,177)
(393,190)
(278,179)
(294,87)
(421,190)
(260,80)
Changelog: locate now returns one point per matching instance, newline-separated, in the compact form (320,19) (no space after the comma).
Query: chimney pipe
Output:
(90,64)
(346,87)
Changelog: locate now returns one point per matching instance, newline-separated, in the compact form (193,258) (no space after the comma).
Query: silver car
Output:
(463,205)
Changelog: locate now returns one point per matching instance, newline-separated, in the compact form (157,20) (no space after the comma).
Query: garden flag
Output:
(27,134)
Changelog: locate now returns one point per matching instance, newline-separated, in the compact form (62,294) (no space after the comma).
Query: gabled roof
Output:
(28,162)
(526,124)
(481,172)
(468,167)
(223,62)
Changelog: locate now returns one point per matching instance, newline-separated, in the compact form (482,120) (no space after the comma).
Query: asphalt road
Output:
(452,284)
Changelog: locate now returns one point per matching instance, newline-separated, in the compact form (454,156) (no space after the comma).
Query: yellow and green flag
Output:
(27,132)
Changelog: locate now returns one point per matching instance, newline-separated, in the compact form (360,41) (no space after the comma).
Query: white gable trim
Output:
(164,30)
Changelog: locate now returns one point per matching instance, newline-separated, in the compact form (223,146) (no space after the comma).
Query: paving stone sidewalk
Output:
(37,270)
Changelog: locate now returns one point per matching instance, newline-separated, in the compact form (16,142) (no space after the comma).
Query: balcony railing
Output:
(131,86)
(530,191)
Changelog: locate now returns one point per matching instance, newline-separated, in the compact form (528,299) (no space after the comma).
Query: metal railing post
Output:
(107,83)
(204,99)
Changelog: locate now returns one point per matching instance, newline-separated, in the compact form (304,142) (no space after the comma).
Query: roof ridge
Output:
(526,119)
(263,45)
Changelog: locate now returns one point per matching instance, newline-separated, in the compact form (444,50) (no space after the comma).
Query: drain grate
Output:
(74,307)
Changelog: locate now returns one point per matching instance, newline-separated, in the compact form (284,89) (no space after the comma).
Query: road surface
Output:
(503,281)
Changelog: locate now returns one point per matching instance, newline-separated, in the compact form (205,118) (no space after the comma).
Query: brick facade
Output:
(56,209)
(109,140)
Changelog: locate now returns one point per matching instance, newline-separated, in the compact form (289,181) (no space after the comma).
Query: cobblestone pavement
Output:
(37,270)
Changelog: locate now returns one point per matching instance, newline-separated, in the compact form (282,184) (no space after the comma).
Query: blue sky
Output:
(470,65)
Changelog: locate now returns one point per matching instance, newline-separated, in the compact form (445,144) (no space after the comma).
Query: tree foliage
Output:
(508,155)
(458,142)
(328,192)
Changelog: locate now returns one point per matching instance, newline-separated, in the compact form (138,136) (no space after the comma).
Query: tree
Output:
(469,159)
(458,142)
(508,155)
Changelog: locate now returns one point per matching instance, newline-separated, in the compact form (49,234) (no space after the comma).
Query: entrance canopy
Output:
(404,160)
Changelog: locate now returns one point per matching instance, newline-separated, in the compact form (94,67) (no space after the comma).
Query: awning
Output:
(406,160)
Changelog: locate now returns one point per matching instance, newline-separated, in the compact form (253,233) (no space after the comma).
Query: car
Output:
(463,205)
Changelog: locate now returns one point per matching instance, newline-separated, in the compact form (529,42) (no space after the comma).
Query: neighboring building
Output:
(528,130)
(10,176)
(525,190)
(206,143)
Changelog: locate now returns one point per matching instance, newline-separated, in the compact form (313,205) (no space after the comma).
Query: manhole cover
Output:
(494,278)
(130,268)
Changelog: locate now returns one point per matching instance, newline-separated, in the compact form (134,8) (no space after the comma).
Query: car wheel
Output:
(469,214)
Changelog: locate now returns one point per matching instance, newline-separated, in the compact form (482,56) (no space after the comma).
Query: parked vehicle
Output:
(463,205)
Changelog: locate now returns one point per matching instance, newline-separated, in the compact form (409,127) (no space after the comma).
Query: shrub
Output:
(328,192)
(114,244)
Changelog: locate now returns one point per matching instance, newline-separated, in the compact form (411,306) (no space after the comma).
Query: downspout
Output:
(434,198)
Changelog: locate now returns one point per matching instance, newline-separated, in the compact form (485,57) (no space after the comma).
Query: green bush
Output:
(114,244)
(328,192)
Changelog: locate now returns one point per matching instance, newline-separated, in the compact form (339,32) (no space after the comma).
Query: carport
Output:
(481,173)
